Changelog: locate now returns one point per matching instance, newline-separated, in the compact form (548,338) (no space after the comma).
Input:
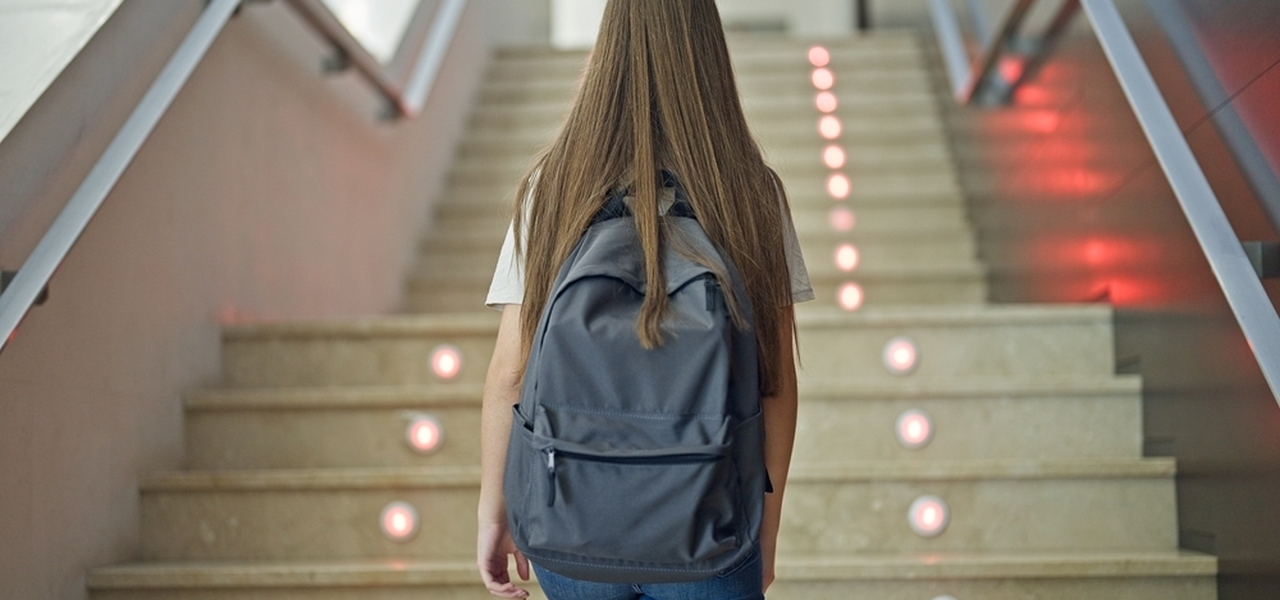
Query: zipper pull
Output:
(713,292)
(551,476)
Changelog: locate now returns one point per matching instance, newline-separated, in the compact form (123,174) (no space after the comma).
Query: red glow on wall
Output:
(1033,95)
(1011,68)
(1041,121)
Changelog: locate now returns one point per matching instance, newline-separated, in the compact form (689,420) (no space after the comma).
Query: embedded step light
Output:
(823,79)
(842,219)
(929,516)
(833,156)
(425,434)
(830,127)
(847,257)
(399,522)
(838,186)
(914,429)
(819,56)
(446,362)
(850,296)
(826,102)
(901,356)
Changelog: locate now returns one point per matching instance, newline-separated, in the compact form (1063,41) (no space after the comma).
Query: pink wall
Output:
(268,191)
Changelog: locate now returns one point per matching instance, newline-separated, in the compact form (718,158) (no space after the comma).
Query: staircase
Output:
(1034,464)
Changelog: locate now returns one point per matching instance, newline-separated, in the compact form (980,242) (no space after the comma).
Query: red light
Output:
(914,429)
(446,362)
(928,516)
(1042,121)
(823,79)
(830,127)
(850,296)
(833,157)
(901,356)
(826,102)
(399,522)
(842,219)
(847,257)
(1011,68)
(819,57)
(425,434)
(838,186)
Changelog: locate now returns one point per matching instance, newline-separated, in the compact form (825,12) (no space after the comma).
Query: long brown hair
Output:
(659,93)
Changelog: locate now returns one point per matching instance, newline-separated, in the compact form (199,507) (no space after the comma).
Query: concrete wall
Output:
(268,191)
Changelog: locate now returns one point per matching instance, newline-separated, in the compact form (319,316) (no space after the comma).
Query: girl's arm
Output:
(779,437)
(501,391)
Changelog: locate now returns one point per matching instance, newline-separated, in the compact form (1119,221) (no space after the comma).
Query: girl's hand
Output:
(492,548)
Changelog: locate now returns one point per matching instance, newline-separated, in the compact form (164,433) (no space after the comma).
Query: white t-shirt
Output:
(508,279)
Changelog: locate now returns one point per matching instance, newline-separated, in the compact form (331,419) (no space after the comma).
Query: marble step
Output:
(926,284)
(1042,418)
(328,427)
(869,80)
(954,341)
(941,219)
(354,427)
(847,89)
(994,505)
(875,253)
(1114,576)
(959,341)
(794,133)
(860,161)
(833,508)
(871,225)
(804,193)
(360,351)
(549,114)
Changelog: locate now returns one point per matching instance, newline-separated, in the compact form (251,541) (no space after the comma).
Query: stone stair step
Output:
(306,514)
(350,427)
(911,285)
(1115,576)
(914,158)
(1043,418)
(876,253)
(995,505)
(804,193)
(357,427)
(960,341)
(366,351)
(835,507)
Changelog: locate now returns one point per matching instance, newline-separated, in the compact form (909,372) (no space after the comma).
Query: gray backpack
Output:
(628,465)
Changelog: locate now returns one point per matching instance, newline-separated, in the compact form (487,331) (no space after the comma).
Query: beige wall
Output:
(268,191)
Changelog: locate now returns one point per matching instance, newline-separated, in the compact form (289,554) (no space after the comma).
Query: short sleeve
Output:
(507,286)
(801,288)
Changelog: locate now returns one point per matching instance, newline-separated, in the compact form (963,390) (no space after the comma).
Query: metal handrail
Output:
(1226,255)
(17,298)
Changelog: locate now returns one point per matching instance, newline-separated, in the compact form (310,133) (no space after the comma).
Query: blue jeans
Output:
(744,581)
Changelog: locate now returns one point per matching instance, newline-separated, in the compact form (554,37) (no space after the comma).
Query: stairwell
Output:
(1019,460)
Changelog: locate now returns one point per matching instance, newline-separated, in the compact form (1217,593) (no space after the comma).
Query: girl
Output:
(658,96)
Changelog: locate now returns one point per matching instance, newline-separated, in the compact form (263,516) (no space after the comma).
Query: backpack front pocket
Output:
(676,507)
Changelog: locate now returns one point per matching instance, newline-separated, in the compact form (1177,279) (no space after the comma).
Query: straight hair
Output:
(658,94)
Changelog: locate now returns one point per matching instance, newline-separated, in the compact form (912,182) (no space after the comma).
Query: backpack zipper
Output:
(671,459)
